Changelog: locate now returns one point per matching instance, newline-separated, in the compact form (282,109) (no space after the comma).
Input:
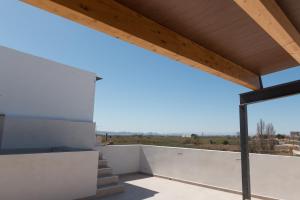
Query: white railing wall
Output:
(272,176)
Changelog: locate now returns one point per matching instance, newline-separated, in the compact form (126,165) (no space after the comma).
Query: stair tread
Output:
(108,176)
(105,169)
(107,180)
(108,168)
(109,190)
(105,172)
(113,185)
(102,164)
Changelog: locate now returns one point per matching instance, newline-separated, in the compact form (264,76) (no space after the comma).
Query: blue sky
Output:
(142,91)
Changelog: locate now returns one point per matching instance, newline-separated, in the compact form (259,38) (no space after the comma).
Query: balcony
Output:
(154,172)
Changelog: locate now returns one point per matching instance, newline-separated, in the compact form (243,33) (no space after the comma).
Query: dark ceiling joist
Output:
(121,22)
(270,17)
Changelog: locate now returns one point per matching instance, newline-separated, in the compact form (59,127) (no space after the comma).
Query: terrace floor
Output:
(139,187)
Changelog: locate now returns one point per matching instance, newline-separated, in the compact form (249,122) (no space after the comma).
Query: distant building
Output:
(295,134)
(186,135)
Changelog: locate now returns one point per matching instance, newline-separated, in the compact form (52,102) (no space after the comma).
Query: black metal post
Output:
(245,153)
(2,118)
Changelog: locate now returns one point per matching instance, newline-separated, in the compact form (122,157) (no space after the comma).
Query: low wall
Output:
(275,176)
(48,176)
(271,176)
(23,133)
(214,168)
(123,159)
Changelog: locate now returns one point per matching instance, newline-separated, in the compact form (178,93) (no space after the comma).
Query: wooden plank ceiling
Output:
(237,40)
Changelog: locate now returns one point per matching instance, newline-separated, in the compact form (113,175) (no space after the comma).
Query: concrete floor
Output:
(139,187)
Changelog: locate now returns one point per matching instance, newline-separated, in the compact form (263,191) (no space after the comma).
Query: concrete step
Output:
(102,164)
(107,180)
(109,190)
(100,156)
(105,171)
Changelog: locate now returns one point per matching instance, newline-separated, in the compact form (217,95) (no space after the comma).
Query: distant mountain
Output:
(155,133)
(125,133)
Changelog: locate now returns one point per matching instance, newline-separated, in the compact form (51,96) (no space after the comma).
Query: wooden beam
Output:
(269,16)
(121,22)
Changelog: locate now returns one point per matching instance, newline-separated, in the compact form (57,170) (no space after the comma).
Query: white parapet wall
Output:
(36,133)
(48,176)
(123,159)
(272,176)
(213,168)
(275,176)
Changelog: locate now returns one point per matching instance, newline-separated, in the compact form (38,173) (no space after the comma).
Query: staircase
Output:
(107,183)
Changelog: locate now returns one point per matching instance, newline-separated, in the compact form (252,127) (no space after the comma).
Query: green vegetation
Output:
(265,141)
(224,143)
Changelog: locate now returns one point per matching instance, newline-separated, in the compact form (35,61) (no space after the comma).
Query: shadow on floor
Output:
(132,177)
(132,192)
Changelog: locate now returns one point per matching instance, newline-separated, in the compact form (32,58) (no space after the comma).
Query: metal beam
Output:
(274,92)
(246,187)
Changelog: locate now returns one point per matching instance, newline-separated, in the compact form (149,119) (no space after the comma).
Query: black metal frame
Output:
(2,117)
(269,93)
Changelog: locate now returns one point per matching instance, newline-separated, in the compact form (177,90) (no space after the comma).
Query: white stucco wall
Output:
(275,176)
(48,176)
(123,159)
(31,133)
(36,87)
(214,168)
(271,176)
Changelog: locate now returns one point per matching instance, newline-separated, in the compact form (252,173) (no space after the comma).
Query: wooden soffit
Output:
(220,37)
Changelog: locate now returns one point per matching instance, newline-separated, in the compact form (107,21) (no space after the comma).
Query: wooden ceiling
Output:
(238,40)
